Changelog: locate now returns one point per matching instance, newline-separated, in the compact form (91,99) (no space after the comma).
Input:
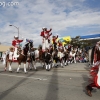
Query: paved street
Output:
(66,83)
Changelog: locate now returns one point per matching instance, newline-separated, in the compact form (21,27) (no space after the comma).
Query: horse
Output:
(22,58)
(44,58)
(34,57)
(66,57)
(59,56)
(48,59)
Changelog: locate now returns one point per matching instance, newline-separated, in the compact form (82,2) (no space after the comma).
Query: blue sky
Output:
(65,17)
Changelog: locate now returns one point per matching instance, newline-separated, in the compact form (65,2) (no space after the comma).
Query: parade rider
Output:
(54,40)
(16,43)
(45,38)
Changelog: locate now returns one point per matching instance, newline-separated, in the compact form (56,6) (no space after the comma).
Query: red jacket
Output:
(60,44)
(46,34)
(16,42)
(54,39)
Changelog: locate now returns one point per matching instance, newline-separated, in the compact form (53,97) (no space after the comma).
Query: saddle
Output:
(13,54)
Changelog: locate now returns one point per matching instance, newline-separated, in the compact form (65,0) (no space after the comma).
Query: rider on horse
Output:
(16,43)
(54,40)
(45,38)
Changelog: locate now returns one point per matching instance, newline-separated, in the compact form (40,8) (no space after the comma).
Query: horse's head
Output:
(27,47)
(11,49)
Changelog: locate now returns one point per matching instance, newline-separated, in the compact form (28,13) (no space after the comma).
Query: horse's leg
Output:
(31,65)
(49,65)
(55,60)
(65,60)
(74,60)
(46,66)
(41,63)
(61,62)
(10,68)
(28,65)
(25,68)
(6,63)
(53,63)
(35,65)
(18,68)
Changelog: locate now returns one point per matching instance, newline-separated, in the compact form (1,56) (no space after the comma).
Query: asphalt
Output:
(78,67)
(67,83)
(82,67)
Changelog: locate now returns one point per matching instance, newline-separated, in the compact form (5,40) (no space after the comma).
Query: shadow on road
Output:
(52,93)
(5,93)
(86,81)
(87,66)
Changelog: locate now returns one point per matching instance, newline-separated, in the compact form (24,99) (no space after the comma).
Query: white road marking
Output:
(22,77)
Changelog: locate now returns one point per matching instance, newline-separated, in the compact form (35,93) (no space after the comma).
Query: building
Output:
(93,38)
(3,48)
(90,37)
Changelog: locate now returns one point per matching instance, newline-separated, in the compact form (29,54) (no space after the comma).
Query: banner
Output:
(64,40)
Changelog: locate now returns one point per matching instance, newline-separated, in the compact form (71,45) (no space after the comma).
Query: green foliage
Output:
(80,43)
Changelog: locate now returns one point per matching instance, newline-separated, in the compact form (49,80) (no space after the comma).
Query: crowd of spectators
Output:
(81,54)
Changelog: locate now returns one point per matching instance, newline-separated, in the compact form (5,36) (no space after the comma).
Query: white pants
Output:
(45,44)
(15,54)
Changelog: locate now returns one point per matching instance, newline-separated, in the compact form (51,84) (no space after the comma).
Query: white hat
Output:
(43,27)
(16,36)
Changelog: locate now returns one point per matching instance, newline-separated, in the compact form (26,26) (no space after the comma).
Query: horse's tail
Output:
(6,60)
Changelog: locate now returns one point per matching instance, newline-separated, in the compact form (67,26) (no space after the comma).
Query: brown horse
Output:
(34,57)
(44,58)
(21,59)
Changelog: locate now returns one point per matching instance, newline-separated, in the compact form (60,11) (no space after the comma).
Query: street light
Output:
(17,29)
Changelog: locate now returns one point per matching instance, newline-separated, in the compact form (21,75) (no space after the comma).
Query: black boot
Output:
(89,89)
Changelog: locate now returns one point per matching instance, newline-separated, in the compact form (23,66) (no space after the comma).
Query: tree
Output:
(80,43)
(75,41)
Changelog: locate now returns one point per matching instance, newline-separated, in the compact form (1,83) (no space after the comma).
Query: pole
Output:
(17,29)
(18,32)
